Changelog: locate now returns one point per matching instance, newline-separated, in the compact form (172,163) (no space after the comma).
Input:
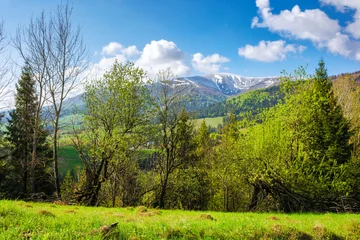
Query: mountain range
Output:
(207,89)
(227,84)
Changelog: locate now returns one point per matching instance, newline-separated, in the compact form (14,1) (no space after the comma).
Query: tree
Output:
(347,93)
(327,129)
(174,143)
(20,133)
(228,170)
(57,56)
(300,152)
(32,43)
(117,119)
(68,59)
(5,75)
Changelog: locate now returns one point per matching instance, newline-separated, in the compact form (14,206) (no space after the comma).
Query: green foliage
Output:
(117,120)
(67,187)
(228,171)
(32,175)
(176,148)
(299,154)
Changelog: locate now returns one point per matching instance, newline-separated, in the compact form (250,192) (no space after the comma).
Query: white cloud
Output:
(131,51)
(209,64)
(354,28)
(313,25)
(115,48)
(343,5)
(262,4)
(267,51)
(340,45)
(160,55)
(112,48)
(156,56)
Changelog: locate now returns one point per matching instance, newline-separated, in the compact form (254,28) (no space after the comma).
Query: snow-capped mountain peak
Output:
(229,84)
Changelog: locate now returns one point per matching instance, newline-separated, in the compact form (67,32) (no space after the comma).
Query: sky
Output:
(243,37)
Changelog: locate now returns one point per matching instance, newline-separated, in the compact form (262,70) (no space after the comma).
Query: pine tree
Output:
(20,133)
(328,131)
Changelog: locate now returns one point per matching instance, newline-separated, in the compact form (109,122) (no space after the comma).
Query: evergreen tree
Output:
(20,132)
(327,131)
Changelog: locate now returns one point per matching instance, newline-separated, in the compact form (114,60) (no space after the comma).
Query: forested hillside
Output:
(251,102)
(255,101)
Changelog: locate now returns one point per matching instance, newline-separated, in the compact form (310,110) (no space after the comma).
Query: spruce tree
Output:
(31,175)
(328,131)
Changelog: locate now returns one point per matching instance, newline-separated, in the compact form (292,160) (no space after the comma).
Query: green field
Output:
(212,122)
(68,159)
(23,220)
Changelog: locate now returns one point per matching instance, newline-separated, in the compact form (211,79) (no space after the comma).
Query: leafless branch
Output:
(6,74)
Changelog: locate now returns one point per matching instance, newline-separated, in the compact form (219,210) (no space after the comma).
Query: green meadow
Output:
(25,220)
(68,159)
(212,122)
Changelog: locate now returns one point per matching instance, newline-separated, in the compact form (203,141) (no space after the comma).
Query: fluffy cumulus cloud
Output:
(160,55)
(343,6)
(112,52)
(112,48)
(155,56)
(311,24)
(267,51)
(208,64)
(115,48)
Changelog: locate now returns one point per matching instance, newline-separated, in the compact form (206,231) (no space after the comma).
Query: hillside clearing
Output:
(24,220)
(212,122)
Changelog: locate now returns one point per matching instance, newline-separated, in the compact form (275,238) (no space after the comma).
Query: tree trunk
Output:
(254,199)
(95,195)
(163,193)
(55,159)
(34,157)
(114,191)
(25,176)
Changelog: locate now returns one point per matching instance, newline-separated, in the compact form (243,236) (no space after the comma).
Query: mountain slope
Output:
(228,84)
(251,102)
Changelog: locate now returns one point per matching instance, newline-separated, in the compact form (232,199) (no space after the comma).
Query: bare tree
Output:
(5,68)
(32,44)
(57,56)
(68,60)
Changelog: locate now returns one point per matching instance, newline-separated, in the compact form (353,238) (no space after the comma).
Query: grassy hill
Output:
(24,220)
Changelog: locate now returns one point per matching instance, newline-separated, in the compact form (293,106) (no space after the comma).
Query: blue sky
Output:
(245,37)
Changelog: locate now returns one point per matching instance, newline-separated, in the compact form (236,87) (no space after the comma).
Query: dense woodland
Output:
(290,148)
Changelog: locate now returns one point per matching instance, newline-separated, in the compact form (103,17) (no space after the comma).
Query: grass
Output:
(68,159)
(22,220)
(212,122)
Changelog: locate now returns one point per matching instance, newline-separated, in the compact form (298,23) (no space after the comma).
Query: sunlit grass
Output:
(21,220)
